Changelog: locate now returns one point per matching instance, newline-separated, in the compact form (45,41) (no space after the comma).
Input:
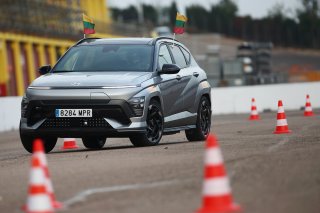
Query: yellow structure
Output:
(97,10)
(22,54)
(4,77)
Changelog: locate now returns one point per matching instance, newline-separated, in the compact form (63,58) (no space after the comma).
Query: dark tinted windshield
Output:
(111,57)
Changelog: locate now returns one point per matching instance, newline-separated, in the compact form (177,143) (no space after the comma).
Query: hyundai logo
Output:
(75,84)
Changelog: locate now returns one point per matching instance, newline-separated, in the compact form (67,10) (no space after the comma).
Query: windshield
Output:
(111,57)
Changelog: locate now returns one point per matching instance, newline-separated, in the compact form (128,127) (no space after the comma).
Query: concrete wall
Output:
(225,100)
(9,113)
(238,99)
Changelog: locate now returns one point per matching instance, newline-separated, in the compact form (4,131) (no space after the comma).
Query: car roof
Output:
(97,41)
(146,41)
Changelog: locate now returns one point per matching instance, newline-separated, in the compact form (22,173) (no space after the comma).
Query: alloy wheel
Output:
(205,117)
(154,123)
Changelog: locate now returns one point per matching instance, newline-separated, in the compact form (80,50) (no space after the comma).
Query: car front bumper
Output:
(112,119)
(76,132)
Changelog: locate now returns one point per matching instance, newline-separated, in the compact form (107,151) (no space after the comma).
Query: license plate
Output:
(73,113)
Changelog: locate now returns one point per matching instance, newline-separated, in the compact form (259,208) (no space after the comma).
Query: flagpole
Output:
(84,35)
(174,37)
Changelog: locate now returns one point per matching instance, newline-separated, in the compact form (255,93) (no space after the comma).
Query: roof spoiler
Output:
(85,39)
(163,37)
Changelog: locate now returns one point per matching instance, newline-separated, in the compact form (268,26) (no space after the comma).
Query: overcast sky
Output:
(255,8)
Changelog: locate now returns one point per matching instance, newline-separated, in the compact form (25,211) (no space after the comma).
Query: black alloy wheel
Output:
(94,142)
(205,117)
(154,124)
(203,124)
(48,143)
(154,130)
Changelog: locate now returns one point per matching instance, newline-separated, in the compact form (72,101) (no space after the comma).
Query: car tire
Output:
(203,124)
(155,123)
(94,142)
(48,143)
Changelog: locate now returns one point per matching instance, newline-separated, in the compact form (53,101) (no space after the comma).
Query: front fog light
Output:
(137,104)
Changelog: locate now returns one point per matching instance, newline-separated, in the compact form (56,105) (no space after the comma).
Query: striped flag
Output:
(88,25)
(180,22)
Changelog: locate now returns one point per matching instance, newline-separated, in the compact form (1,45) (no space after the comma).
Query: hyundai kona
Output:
(140,88)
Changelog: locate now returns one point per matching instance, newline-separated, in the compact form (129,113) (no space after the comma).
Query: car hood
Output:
(91,79)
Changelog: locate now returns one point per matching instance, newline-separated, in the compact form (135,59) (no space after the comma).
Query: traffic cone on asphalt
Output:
(217,195)
(69,143)
(38,150)
(254,113)
(308,109)
(282,125)
(38,200)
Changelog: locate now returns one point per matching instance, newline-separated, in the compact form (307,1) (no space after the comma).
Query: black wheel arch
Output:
(204,89)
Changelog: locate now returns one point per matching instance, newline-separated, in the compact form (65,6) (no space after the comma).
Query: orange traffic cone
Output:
(38,150)
(282,125)
(216,188)
(69,143)
(308,109)
(38,198)
(254,113)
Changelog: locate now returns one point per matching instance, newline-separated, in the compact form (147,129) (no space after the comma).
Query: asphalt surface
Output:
(268,173)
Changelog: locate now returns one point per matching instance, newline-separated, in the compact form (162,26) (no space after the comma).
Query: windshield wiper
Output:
(56,71)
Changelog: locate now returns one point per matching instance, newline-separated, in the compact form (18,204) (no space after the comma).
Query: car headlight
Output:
(137,104)
(24,106)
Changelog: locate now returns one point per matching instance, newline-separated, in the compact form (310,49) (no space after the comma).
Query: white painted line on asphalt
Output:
(277,145)
(84,194)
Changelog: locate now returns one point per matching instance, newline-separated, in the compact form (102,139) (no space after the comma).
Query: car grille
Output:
(39,110)
(75,123)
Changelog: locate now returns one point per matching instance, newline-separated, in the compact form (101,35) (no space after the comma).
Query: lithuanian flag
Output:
(180,22)
(88,25)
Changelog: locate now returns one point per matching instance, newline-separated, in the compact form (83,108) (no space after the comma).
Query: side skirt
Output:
(174,130)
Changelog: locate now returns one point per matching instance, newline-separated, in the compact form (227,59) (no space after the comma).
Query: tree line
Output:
(301,30)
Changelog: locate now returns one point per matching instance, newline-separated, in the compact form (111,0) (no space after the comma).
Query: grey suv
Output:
(141,88)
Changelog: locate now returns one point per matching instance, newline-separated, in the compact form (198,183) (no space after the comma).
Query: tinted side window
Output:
(164,56)
(186,54)
(178,56)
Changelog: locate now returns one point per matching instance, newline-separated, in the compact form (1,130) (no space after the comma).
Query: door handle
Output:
(178,77)
(195,74)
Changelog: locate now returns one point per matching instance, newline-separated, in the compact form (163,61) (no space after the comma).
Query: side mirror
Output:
(44,69)
(169,69)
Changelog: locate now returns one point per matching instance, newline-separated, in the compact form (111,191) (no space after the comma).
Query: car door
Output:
(192,74)
(183,78)
(171,88)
